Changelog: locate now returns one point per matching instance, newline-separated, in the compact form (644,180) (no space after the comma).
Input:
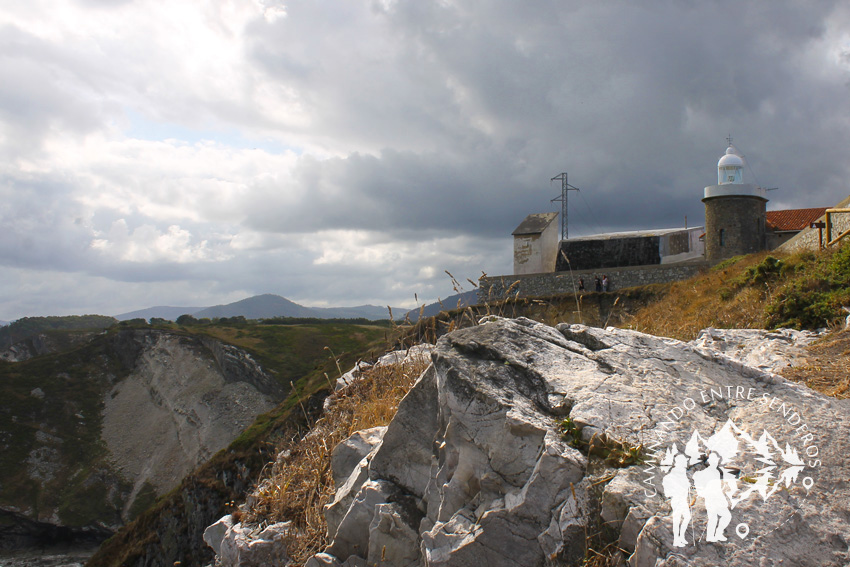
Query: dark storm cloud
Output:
(633,100)
(415,135)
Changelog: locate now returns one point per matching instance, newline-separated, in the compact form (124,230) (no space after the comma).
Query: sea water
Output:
(47,558)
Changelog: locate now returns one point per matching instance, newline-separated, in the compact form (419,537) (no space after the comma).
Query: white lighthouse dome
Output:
(731,158)
(730,168)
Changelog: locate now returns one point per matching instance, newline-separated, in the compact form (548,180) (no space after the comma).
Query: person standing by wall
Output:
(605,283)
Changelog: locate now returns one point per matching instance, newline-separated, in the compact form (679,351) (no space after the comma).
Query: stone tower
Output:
(734,211)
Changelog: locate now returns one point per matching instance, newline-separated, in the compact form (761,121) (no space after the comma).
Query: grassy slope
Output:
(27,327)
(802,291)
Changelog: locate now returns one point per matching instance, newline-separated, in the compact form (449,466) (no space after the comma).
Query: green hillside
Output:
(27,327)
(766,290)
(51,453)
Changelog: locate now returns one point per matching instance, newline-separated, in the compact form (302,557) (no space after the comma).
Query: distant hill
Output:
(459,300)
(263,306)
(372,312)
(161,312)
(257,307)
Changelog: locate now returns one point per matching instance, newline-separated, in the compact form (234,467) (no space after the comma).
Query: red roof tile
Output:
(793,219)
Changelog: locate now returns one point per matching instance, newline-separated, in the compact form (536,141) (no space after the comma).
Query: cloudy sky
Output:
(197,152)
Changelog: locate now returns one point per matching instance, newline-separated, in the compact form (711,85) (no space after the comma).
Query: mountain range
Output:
(268,305)
(263,306)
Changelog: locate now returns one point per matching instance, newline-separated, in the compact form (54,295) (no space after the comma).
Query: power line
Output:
(596,222)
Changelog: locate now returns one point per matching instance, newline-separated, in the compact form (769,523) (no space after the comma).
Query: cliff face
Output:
(90,436)
(184,400)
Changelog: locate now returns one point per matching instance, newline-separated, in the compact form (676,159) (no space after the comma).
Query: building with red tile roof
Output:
(783,225)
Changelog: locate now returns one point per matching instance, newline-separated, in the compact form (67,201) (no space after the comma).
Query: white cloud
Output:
(147,244)
(351,152)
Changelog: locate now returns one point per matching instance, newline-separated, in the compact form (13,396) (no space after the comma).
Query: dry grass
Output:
(300,483)
(767,290)
(828,366)
(694,304)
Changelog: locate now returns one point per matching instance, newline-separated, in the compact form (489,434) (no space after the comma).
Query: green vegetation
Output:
(27,327)
(817,287)
(614,453)
(144,499)
(292,352)
(767,290)
(50,420)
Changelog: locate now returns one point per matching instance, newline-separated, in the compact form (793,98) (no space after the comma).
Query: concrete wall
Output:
(645,249)
(742,220)
(807,239)
(776,239)
(535,253)
(682,246)
(539,285)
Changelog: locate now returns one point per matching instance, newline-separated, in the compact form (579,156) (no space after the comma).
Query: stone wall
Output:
(734,225)
(541,285)
(807,239)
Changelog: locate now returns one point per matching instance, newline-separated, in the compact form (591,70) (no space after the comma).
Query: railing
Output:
(829,240)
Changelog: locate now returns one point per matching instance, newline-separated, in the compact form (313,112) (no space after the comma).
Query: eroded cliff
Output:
(92,434)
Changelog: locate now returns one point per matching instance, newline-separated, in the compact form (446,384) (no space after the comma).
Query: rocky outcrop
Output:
(772,351)
(236,366)
(91,437)
(178,407)
(522,440)
(412,355)
(238,546)
(41,344)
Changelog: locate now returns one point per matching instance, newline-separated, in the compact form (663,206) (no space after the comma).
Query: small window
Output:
(722,237)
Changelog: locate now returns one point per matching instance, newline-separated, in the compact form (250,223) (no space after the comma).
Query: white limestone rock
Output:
(414,355)
(352,375)
(772,351)
(236,545)
(214,534)
(473,470)
(348,453)
(350,464)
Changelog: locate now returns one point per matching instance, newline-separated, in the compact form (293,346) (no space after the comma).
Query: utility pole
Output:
(565,188)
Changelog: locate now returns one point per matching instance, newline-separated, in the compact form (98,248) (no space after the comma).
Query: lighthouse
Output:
(734,211)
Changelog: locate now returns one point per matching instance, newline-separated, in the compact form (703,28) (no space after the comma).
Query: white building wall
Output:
(536,253)
(671,254)
(528,254)
(550,240)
